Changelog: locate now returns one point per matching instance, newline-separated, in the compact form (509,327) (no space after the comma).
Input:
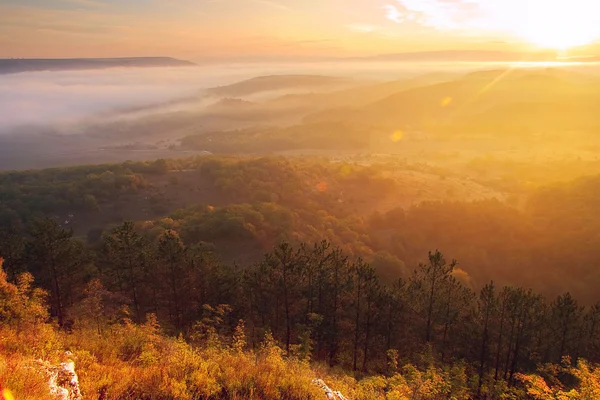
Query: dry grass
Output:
(124,360)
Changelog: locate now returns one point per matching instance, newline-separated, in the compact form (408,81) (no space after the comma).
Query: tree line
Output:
(315,300)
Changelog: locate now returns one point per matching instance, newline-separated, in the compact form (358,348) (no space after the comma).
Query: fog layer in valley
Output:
(72,117)
(116,107)
(58,97)
(48,98)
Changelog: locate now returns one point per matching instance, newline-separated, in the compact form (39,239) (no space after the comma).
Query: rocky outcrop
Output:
(330,394)
(63,382)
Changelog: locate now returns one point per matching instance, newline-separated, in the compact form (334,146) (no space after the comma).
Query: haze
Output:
(66,97)
(299,199)
(199,29)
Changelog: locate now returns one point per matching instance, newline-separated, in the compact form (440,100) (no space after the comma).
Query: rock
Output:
(331,395)
(63,381)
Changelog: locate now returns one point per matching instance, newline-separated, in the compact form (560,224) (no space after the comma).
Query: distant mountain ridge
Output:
(282,82)
(16,65)
(591,55)
(469,56)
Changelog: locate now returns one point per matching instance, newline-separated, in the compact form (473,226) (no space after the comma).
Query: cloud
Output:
(539,21)
(393,14)
(437,14)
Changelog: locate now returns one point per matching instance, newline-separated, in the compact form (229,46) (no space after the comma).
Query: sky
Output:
(199,29)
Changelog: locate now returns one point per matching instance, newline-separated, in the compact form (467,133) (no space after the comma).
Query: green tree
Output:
(395,303)
(486,308)
(59,259)
(12,248)
(429,280)
(566,317)
(284,263)
(22,306)
(172,257)
(591,333)
(126,253)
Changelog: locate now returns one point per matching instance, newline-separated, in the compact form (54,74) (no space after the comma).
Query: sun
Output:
(560,24)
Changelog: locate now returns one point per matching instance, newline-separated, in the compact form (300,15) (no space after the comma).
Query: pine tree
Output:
(125,251)
(428,281)
(12,248)
(172,257)
(486,309)
(58,258)
(591,334)
(285,263)
(566,317)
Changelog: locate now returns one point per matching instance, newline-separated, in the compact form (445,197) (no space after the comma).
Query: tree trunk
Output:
(136,304)
(483,350)
(356,322)
(367,337)
(500,333)
(59,305)
(518,343)
(430,310)
(334,333)
(288,328)
(509,347)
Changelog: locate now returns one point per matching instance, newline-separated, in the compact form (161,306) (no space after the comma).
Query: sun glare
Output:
(561,24)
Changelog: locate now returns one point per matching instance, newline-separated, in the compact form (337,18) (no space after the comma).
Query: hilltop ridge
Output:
(16,65)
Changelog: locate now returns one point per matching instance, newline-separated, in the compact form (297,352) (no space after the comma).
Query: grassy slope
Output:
(116,359)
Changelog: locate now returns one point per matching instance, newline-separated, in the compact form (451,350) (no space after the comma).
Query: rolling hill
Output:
(13,66)
(489,97)
(273,83)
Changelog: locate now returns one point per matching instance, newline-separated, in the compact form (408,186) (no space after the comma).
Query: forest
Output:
(299,200)
(430,237)
(332,267)
(389,213)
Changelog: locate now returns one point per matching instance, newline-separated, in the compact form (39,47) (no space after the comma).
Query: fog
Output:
(48,98)
(54,98)
(145,113)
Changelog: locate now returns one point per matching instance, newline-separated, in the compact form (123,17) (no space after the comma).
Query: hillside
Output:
(12,66)
(389,213)
(466,100)
(163,319)
(275,83)
(358,96)
(111,358)
(252,277)
(334,200)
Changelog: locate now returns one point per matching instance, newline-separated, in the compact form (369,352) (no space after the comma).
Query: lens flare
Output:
(7,395)
(397,136)
(322,187)
(446,102)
